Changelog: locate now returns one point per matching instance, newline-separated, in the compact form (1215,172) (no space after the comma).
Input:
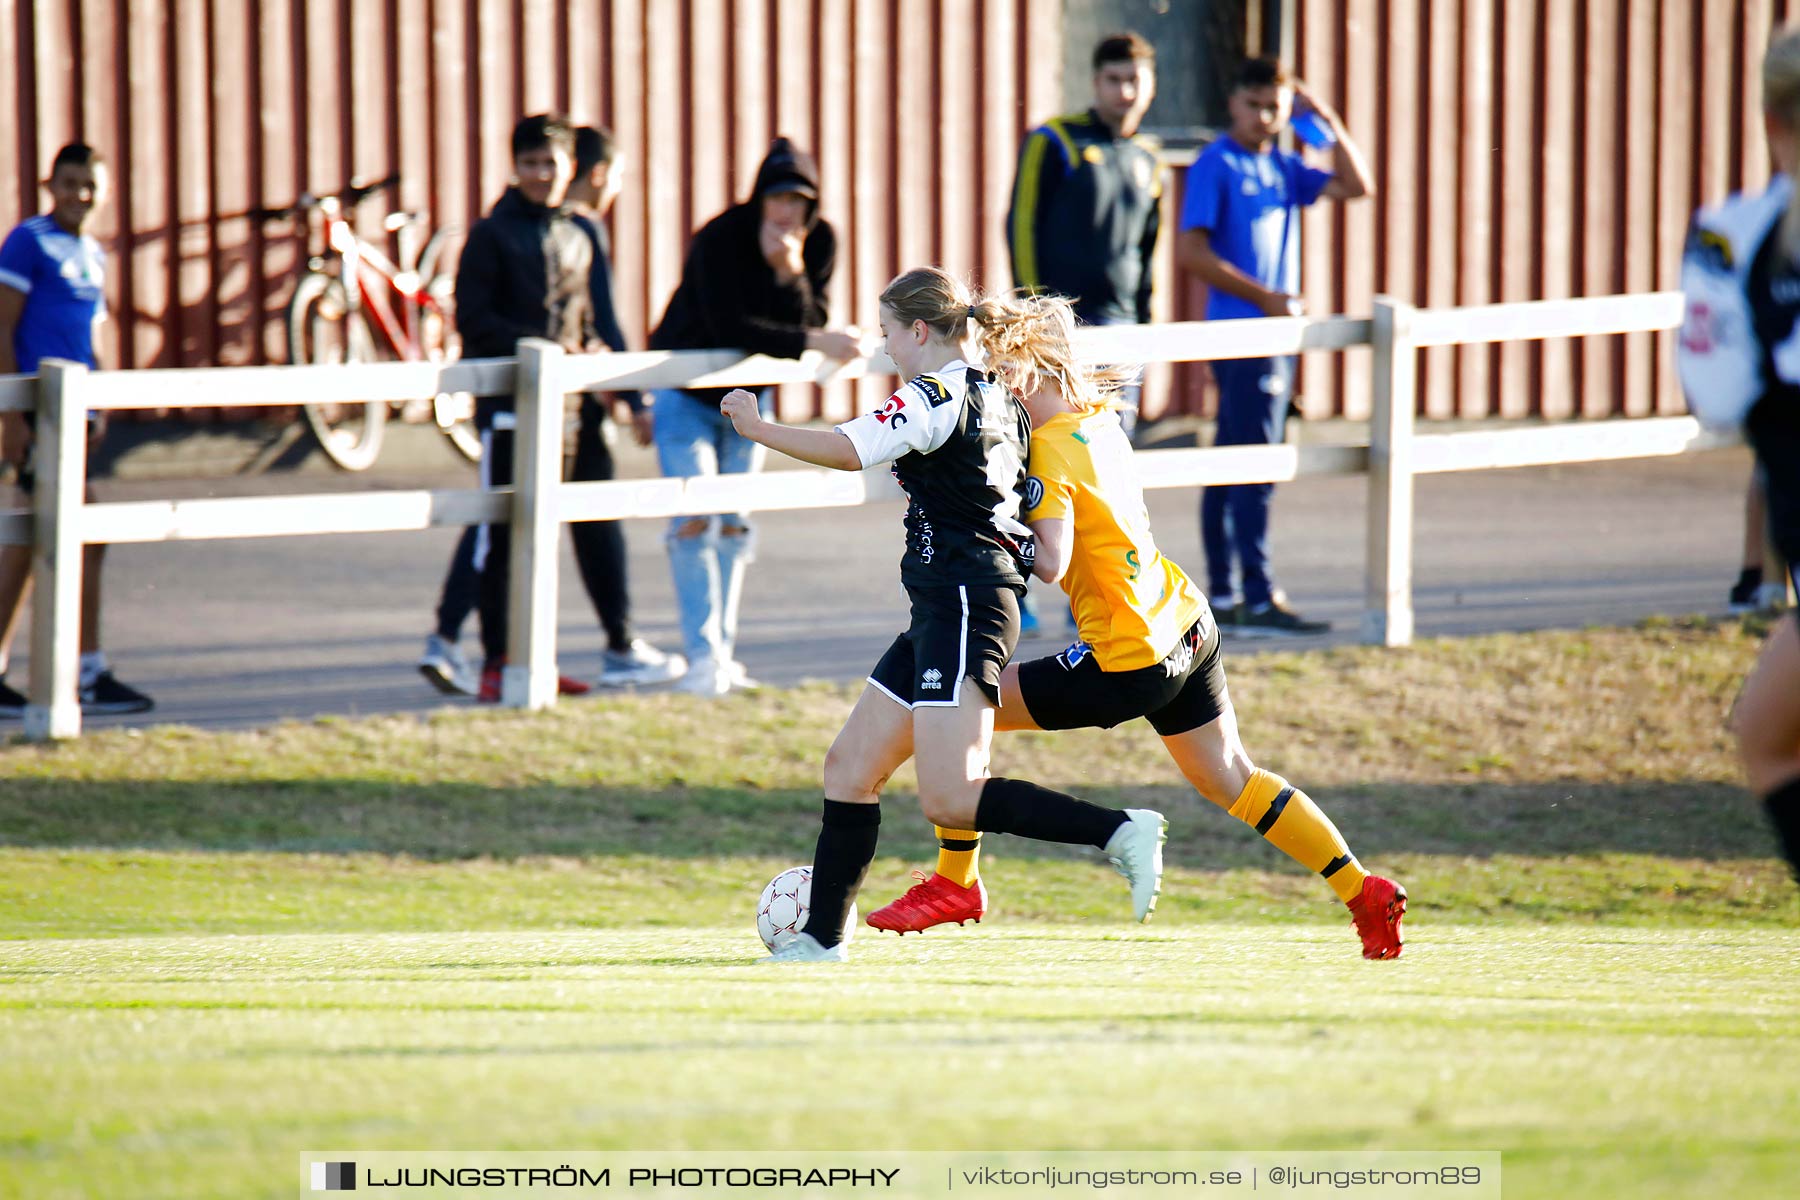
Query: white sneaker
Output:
(1772,597)
(1135,848)
(805,948)
(445,668)
(705,677)
(639,664)
(738,676)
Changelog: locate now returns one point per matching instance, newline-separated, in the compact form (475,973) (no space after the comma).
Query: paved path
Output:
(243,633)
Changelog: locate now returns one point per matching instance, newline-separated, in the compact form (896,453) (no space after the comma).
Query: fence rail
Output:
(542,376)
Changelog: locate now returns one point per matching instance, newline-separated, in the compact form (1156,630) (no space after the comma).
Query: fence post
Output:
(60,461)
(529,680)
(1387,590)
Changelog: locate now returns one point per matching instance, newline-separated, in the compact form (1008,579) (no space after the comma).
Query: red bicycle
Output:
(354,304)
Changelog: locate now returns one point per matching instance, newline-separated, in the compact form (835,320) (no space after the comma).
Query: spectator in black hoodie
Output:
(531,268)
(755,279)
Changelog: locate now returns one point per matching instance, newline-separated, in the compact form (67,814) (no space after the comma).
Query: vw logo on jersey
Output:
(1034,491)
(1071,658)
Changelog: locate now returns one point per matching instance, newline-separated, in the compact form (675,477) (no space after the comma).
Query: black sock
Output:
(1784,813)
(847,835)
(1027,810)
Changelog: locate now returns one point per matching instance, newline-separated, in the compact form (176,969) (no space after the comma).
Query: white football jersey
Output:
(1741,305)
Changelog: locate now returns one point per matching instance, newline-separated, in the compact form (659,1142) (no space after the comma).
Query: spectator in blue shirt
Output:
(1240,233)
(52,299)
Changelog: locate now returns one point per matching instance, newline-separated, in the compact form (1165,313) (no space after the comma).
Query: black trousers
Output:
(599,546)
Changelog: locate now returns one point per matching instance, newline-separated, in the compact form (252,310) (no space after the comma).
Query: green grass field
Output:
(494,931)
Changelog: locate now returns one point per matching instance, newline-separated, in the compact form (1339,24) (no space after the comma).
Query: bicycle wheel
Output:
(454,411)
(322,329)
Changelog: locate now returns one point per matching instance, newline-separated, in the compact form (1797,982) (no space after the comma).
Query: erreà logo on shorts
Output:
(932,678)
(334,1177)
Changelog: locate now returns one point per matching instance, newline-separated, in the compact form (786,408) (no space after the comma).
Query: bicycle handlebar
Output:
(352,195)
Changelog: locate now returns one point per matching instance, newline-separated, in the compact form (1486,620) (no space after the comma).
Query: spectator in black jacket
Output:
(599,545)
(533,267)
(755,279)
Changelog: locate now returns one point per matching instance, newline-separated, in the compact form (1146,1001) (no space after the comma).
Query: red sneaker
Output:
(934,900)
(490,684)
(1377,913)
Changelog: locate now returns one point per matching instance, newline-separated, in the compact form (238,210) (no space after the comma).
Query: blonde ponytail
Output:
(1032,337)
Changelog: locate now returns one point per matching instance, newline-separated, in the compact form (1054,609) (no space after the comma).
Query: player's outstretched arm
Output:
(821,447)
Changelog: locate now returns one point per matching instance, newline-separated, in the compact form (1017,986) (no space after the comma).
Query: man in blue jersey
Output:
(52,300)
(1240,233)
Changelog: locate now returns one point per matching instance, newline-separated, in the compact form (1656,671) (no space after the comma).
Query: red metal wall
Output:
(1524,148)
(1527,149)
(209,108)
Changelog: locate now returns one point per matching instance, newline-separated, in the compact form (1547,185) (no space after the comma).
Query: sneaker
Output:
(490,684)
(106,696)
(1135,848)
(445,668)
(738,677)
(705,677)
(1377,913)
(1772,597)
(806,949)
(934,900)
(12,701)
(1274,619)
(1743,595)
(639,664)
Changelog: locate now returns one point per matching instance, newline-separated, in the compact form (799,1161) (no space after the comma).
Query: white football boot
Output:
(1135,848)
(806,949)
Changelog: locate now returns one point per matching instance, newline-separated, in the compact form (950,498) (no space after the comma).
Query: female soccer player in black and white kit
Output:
(1739,355)
(958,442)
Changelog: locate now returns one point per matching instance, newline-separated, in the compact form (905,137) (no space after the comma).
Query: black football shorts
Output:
(1184,691)
(958,632)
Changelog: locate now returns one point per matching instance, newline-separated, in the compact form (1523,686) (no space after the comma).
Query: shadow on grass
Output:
(449,821)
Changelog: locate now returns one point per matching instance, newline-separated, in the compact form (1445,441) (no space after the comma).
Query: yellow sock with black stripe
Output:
(1287,819)
(958,852)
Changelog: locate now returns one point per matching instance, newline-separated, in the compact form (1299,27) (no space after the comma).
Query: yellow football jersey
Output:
(1131,604)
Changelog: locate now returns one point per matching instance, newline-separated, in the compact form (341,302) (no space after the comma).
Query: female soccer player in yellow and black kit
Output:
(1149,646)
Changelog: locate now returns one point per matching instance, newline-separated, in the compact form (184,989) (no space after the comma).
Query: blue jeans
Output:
(707,555)
(1254,394)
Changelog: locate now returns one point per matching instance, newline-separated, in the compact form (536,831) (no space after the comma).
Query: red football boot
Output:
(934,900)
(490,684)
(1377,913)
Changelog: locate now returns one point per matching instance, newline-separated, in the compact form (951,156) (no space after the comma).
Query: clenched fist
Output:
(741,406)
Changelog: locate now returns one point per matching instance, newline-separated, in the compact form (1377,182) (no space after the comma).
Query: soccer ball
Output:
(781,912)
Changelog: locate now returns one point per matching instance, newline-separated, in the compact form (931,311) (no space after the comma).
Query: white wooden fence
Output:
(60,523)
